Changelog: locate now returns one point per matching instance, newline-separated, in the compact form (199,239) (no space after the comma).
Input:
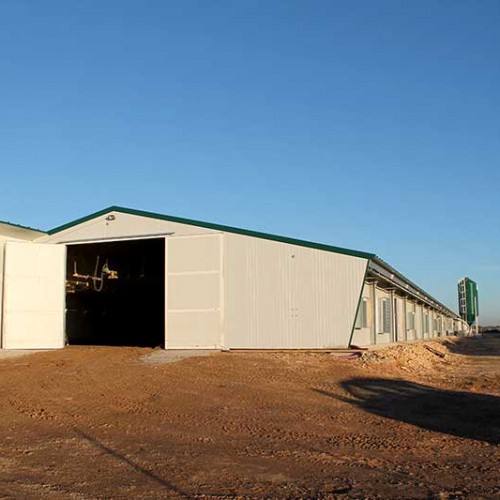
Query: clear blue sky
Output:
(368,124)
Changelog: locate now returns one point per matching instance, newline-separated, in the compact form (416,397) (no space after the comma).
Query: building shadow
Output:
(461,414)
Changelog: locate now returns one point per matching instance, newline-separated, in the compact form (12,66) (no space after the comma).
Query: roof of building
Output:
(28,228)
(421,293)
(247,232)
(217,227)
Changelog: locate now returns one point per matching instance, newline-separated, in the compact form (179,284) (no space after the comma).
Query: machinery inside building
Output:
(115,293)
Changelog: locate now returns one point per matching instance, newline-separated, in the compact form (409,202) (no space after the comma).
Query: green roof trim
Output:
(20,226)
(216,227)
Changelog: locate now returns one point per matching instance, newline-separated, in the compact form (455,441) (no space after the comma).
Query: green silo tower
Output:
(468,300)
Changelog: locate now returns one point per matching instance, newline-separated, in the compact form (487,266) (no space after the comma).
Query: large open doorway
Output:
(115,293)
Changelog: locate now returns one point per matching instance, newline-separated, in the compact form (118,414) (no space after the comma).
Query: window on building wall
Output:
(426,323)
(362,316)
(410,320)
(384,315)
(435,325)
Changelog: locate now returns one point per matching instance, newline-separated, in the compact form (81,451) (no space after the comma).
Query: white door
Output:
(34,296)
(194,292)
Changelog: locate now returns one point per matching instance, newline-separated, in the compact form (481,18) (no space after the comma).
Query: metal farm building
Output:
(127,277)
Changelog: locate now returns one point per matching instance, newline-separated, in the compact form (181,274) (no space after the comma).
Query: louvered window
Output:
(384,312)
(362,316)
(410,320)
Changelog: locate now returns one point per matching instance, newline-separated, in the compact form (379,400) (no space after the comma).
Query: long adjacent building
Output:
(129,277)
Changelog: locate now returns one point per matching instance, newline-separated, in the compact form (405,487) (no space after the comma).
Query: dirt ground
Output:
(419,421)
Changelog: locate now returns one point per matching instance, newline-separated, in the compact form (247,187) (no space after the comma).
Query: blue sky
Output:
(373,125)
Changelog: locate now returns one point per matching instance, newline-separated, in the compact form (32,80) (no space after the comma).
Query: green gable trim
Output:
(22,227)
(215,227)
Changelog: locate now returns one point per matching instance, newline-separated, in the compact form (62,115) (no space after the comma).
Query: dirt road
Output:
(88,422)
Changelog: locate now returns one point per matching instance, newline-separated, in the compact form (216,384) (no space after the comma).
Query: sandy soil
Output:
(88,422)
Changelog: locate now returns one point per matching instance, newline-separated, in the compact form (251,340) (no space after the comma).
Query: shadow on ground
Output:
(133,465)
(488,344)
(462,414)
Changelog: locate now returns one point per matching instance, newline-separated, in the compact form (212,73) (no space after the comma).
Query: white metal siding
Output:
(286,296)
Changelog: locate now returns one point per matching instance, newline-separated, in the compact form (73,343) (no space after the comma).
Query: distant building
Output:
(468,300)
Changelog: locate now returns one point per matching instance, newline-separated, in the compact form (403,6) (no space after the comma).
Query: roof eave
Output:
(382,263)
(20,226)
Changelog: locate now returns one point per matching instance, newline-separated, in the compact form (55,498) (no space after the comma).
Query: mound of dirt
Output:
(408,357)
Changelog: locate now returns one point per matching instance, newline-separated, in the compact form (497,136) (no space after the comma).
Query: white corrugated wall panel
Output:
(279,295)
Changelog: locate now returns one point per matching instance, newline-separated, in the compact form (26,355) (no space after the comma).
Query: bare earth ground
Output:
(402,422)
